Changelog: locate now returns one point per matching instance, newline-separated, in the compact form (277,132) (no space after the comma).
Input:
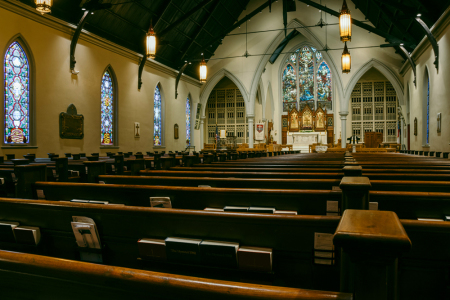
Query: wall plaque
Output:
(71,125)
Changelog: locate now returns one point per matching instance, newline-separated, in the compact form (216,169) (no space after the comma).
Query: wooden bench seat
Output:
(311,202)
(291,237)
(28,276)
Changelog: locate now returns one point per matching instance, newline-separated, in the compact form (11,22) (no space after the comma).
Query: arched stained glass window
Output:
(323,83)
(107,110)
(312,80)
(188,121)
(157,118)
(289,87)
(17,95)
(306,75)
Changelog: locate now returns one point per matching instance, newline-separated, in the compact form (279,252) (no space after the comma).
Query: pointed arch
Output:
(188,111)
(158,116)
(19,94)
(212,82)
(386,71)
(109,108)
(314,41)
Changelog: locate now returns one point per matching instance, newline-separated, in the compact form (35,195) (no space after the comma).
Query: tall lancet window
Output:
(306,80)
(107,110)
(157,118)
(188,121)
(17,95)
(289,86)
(323,83)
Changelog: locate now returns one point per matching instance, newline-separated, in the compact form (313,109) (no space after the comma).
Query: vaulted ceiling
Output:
(126,22)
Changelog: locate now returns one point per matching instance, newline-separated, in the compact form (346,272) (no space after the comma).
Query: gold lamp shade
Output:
(203,71)
(44,6)
(151,44)
(345,23)
(346,60)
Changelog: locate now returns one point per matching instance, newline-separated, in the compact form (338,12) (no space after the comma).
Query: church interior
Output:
(227,149)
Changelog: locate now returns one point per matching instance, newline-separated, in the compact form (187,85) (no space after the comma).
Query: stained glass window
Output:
(107,110)
(17,95)
(428,111)
(157,119)
(306,75)
(323,82)
(289,84)
(312,83)
(188,121)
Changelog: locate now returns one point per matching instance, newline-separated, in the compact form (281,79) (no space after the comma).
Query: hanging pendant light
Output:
(346,60)
(345,23)
(151,43)
(44,6)
(203,70)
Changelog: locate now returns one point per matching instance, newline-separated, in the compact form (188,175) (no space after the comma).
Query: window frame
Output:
(115,134)
(32,143)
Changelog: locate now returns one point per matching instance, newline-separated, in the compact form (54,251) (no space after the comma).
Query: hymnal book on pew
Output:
(162,202)
(336,188)
(98,202)
(218,253)
(183,249)
(373,205)
(255,259)
(285,212)
(7,231)
(79,201)
(430,219)
(332,208)
(152,249)
(85,232)
(27,235)
(204,186)
(2,181)
(447,218)
(214,209)
(261,210)
(40,194)
(323,248)
(235,209)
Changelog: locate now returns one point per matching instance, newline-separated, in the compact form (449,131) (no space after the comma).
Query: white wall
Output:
(249,71)
(56,88)
(439,95)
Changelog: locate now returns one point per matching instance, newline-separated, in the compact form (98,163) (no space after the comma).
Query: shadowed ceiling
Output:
(126,22)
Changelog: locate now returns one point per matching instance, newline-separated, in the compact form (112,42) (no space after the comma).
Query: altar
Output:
(302,140)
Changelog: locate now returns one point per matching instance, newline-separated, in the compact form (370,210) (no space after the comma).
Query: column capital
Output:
(343,114)
(250,118)
(203,118)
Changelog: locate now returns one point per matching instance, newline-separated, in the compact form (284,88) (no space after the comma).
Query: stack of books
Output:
(208,252)
(12,232)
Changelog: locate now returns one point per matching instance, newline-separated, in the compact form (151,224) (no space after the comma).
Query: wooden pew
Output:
(312,202)
(54,278)
(291,237)
(266,183)
(421,270)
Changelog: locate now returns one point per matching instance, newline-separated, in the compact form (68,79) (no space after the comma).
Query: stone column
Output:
(250,131)
(343,115)
(202,131)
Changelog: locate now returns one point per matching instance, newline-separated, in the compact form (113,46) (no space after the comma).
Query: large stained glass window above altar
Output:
(306,79)
(17,95)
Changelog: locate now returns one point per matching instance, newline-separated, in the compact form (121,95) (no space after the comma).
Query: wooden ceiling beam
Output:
(209,16)
(363,25)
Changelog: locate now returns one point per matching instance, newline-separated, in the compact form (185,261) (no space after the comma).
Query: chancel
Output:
(225,149)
